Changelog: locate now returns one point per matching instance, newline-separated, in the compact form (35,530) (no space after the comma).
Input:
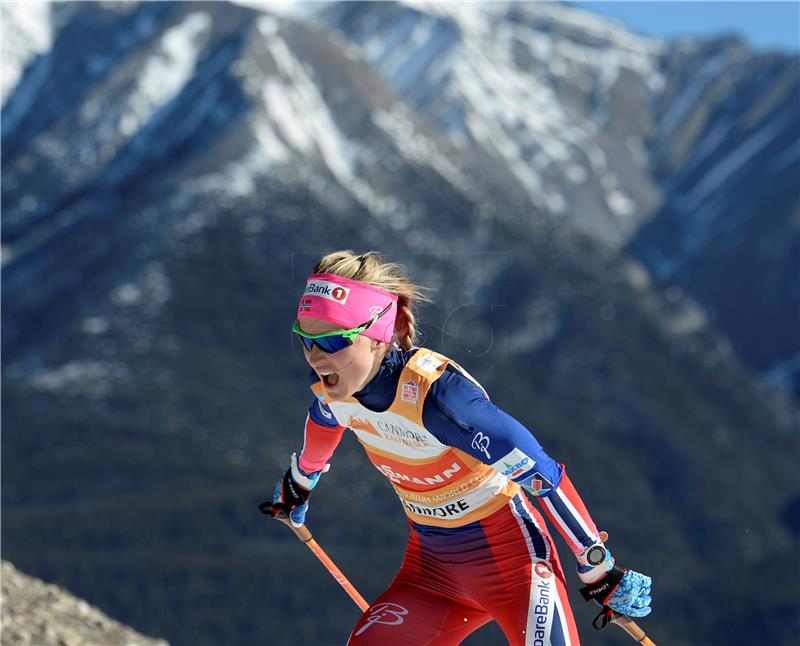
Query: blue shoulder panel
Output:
(458,414)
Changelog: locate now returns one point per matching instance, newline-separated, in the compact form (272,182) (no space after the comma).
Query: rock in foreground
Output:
(34,612)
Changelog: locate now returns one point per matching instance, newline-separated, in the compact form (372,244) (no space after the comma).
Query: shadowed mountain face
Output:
(172,172)
(728,231)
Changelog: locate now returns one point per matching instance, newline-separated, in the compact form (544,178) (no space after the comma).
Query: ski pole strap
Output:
(603,618)
(607,615)
(602,590)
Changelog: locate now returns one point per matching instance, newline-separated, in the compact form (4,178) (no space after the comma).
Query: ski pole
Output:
(626,623)
(305,536)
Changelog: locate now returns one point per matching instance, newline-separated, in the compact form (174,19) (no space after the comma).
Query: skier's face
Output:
(351,368)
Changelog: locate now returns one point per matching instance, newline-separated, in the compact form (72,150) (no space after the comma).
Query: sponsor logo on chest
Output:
(450,510)
(432,480)
(392,430)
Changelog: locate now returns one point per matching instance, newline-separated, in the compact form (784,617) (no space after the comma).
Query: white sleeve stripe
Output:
(592,535)
(561,522)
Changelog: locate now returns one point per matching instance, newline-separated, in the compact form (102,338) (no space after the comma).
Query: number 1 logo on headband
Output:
(328,290)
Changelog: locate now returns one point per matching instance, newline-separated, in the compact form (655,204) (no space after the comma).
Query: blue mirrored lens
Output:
(332,343)
(326,343)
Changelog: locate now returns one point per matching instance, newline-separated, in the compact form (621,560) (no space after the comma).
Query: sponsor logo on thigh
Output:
(540,620)
(387,613)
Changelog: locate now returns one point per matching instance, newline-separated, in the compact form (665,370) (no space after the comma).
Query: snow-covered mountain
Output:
(540,113)
(27,33)
(171,171)
(557,99)
(685,154)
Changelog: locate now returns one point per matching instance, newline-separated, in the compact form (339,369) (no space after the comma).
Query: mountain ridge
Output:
(148,396)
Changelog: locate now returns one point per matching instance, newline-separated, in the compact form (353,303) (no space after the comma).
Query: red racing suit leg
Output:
(452,581)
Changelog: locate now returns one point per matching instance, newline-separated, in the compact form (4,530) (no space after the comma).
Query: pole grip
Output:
(632,628)
(302,532)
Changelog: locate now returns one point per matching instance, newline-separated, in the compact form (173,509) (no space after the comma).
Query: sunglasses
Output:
(336,340)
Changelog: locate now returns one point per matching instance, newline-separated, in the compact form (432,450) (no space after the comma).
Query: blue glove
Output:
(632,597)
(291,493)
(624,591)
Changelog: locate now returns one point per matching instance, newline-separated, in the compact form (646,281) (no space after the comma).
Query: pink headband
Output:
(349,303)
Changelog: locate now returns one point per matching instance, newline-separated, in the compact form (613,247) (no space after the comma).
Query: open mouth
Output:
(330,379)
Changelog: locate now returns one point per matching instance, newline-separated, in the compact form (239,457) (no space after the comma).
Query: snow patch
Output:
(128,294)
(620,204)
(95,325)
(288,8)
(80,377)
(397,124)
(27,32)
(693,91)
(294,92)
(267,25)
(464,64)
(734,160)
(166,72)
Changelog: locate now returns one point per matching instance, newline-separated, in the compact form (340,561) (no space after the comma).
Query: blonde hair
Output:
(371,268)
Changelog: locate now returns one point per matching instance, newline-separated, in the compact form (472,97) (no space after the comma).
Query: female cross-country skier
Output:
(478,550)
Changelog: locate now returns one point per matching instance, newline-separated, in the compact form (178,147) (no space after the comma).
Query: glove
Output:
(624,591)
(291,493)
(632,597)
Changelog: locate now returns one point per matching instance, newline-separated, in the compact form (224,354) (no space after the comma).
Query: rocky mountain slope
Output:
(171,172)
(38,614)
(728,231)
(556,99)
(684,154)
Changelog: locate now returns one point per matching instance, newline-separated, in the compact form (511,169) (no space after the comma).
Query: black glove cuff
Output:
(602,590)
(293,493)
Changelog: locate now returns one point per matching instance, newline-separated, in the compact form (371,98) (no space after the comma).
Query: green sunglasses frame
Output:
(350,334)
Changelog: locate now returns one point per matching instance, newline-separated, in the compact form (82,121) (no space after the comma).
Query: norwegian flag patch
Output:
(536,483)
(409,392)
